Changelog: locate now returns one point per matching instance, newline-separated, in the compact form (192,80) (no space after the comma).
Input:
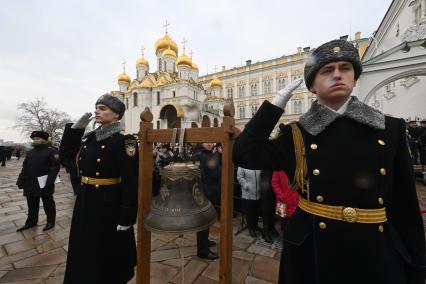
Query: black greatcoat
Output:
(97,252)
(40,161)
(349,158)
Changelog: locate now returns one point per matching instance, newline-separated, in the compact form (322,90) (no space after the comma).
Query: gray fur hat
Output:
(113,103)
(332,51)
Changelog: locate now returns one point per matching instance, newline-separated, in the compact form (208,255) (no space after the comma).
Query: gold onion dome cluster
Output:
(123,77)
(216,83)
(166,42)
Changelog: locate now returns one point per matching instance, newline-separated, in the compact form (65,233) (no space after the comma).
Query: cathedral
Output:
(172,92)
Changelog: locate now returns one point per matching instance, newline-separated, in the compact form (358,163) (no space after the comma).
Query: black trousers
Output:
(251,209)
(34,206)
(203,241)
(268,209)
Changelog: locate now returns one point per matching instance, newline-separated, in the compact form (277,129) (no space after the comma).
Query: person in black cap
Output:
(358,217)
(102,246)
(414,133)
(422,142)
(41,163)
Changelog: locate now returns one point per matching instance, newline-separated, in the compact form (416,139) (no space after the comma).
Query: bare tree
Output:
(35,115)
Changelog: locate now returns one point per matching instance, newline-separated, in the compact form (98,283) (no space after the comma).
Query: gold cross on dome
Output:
(166,25)
(184,41)
(142,50)
(124,65)
(191,53)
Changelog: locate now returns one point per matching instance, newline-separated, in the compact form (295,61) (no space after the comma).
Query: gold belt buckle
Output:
(349,215)
(84,179)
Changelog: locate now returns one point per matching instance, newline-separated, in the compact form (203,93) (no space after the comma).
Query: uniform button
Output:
(314,146)
(320,198)
(81,183)
(322,225)
(381,228)
(381,142)
(84,146)
(380,200)
(316,172)
(382,171)
(97,185)
(103,146)
(81,172)
(97,173)
(98,160)
(79,158)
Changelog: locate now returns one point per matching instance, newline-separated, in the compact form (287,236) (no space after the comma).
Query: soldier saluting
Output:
(102,245)
(358,218)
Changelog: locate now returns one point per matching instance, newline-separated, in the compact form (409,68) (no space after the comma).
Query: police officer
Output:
(358,218)
(102,245)
(41,161)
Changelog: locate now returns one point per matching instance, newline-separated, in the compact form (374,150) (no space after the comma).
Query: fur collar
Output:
(319,117)
(105,132)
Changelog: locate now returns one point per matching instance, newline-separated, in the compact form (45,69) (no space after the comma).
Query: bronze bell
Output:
(180,206)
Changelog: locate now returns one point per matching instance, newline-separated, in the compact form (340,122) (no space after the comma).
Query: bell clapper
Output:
(183,258)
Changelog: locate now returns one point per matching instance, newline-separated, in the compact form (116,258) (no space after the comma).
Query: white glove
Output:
(83,121)
(284,95)
(122,228)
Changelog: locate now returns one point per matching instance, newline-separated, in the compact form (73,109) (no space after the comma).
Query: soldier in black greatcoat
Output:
(358,218)
(102,245)
(41,161)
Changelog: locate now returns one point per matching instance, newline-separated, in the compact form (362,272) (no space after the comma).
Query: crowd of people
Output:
(341,180)
(416,135)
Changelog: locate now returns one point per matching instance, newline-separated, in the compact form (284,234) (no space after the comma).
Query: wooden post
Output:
(227,199)
(224,134)
(143,272)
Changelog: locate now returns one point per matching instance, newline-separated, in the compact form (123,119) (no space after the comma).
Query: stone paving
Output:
(34,256)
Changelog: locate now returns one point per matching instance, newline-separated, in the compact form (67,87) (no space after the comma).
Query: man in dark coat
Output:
(41,161)
(210,171)
(3,155)
(102,246)
(414,133)
(358,218)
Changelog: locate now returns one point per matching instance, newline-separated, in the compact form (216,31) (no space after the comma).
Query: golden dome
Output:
(184,60)
(142,61)
(123,77)
(216,83)
(169,52)
(165,42)
(194,66)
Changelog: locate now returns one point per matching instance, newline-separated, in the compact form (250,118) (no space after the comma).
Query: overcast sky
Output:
(70,52)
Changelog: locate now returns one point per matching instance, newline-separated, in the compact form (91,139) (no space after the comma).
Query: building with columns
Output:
(394,76)
(248,86)
(172,91)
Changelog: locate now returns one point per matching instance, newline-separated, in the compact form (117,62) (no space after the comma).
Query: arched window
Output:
(242,112)
(241,91)
(230,91)
(135,99)
(254,89)
(297,106)
(165,66)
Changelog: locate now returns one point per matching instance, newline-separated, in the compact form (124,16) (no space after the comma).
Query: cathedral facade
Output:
(172,92)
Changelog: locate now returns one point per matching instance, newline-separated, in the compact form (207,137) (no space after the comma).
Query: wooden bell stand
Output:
(147,136)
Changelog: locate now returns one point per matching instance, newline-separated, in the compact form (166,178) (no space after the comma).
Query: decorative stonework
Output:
(415,33)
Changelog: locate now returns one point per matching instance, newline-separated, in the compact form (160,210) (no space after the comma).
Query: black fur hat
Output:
(332,51)
(41,134)
(113,103)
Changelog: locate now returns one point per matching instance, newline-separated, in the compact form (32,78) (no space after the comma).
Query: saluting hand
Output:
(284,95)
(83,121)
